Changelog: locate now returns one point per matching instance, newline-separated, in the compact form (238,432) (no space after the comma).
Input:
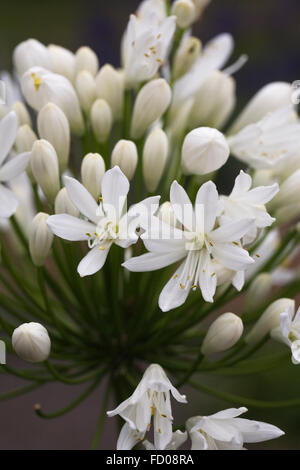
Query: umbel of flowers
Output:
(118,240)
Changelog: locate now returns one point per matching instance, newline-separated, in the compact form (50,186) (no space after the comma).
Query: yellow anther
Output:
(164,416)
(211,243)
(146,55)
(152,410)
(257,255)
(175,276)
(235,243)
(182,286)
(213,274)
(159,36)
(88,234)
(102,248)
(36,81)
(194,286)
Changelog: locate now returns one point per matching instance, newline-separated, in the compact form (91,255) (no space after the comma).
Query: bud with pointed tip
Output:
(40,239)
(40,87)
(289,191)
(53,126)
(31,342)
(222,334)
(86,89)
(110,87)
(125,156)
(101,119)
(30,53)
(25,139)
(44,166)
(258,290)
(269,319)
(167,215)
(150,104)
(64,205)
(155,155)
(204,150)
(86,59)
(62,61)
(92,171)
(21,111)
(200,5)
(186,55)
(185,12)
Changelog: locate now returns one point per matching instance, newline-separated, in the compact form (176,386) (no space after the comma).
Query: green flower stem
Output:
(36,196)
(20,234)
(101,420)
(127,114)
(67,380)
(25,375)
(254,366)
(19,391)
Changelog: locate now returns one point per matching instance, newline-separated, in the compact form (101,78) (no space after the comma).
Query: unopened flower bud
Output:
(86,89)
(21,111)
(289,191)
(64,205)
(40,87)
(31,342)
(86,59)
(40,239)
(30,53)
(258,290)
(186,55)
(287,213)
(200,5)
(25,139)
(185,12)
(268,99)
(167,214)
(110,87)
(150,104)
(62,61)
(44,166)
(204,150)
(214,101)
(222,334)
(125,156)
(155,155)
(269,319)
(53,126)
(92,171)
(101,119)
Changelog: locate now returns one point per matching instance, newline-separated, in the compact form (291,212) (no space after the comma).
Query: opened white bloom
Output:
(103,224)
(246,202)
(178,438)
(269,141)
(150,399)
(145,46)
(149,6)
(11,168)
(226,431)
(198,244)
(289,332)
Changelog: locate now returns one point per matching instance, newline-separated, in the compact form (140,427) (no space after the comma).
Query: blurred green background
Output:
(268,32)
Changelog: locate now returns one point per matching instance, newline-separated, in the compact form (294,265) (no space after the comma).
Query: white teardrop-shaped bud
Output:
(53,126)
(92,171)
(86,89)
(44,166)
(86,59)
(186,55)
(214,102)
(185,12)
(31,342)
(204,150)
(21,111)
(110,87)
(222,334)
(64,205)
(269,98)
(150,104)
(269,320)
(29,54)
(125,156)
(166,214)
(25,139)
(289,191)
(258,290)
(62,61)
(101,119)
(155,155)
(40,239)
(40,87)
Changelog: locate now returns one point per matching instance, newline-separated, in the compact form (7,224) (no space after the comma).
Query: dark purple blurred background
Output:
(268,32)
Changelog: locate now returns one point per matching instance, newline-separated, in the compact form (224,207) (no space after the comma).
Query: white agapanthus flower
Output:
(149,6)
(178,438)
(103,224)
(226,431)
(12,168)
(289,332)
(198,244)
(246,202)
(145,46)
(268,142)
(151,398)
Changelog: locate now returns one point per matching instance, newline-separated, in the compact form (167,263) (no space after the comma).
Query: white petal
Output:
(8,132)
(93,261)
(229,413)
(238,280)
(70,228)
(128,438)
(231,256)
(207,277)
(173,295)
(222,430)
(198,441)
(152,261)
(14,167)
(243,183)
(286,322)
(295,348)
(82,199)
(8,202)
(208,197)
(178,438)
(115,187)
(232,231)
(256,431)
(262,194)
(182,206)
